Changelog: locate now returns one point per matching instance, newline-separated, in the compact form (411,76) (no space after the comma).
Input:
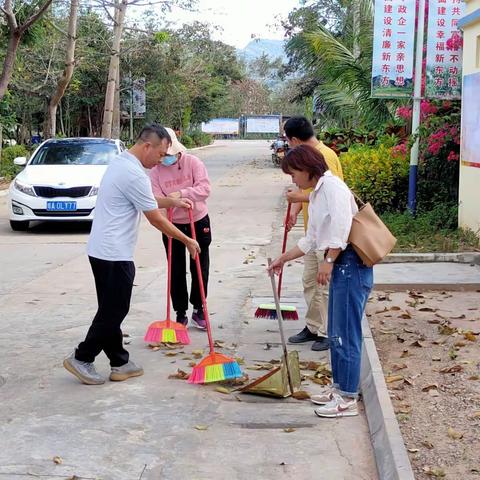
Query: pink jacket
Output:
(188,176)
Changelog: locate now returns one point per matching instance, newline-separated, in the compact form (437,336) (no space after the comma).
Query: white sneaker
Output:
(130,369)
(324,397)
(338,407)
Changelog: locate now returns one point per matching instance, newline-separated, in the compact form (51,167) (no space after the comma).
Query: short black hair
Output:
(299,127)
(153,129)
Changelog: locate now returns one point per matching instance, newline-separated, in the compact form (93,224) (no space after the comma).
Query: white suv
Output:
(60,181)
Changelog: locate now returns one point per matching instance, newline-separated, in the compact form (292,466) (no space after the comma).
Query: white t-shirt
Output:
(125,191)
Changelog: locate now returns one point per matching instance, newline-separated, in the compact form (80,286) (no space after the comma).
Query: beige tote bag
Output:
(369,236)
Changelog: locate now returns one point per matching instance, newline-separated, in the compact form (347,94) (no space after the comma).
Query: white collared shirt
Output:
(330,211)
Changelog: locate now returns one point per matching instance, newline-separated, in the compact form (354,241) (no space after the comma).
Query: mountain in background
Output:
(256,48)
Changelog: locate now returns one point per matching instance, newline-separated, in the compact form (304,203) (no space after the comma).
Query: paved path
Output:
(145,428)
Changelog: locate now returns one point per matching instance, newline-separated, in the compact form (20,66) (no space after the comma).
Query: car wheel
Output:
(19,226)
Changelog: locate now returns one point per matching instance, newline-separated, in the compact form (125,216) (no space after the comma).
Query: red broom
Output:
(168,331)
(215,367)
(269,310)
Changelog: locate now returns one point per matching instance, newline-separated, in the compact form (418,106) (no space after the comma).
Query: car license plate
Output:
(61,206)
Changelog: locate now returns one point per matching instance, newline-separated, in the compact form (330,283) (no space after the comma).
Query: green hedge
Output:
(7,167)
(377,174)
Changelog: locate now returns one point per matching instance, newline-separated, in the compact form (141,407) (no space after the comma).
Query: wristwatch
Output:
(329,260)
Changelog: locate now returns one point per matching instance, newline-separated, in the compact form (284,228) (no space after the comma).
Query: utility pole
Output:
(417,101)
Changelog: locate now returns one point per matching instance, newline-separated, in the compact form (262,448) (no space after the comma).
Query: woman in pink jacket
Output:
(182,175)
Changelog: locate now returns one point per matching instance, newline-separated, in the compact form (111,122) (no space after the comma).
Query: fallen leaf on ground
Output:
(440,341)
(417,343)
(452,369)
(170,354)
(460,343)
(57,460)
(192,364)
(197,353)
(474,377)
(434,321)
(405,409)
(405,354)
(219,344)
(240,360)
(301,395)
(436,359)
(452,354)
(408,330)
(201,427)
(434,472)
(289,430)
(383,298)
(398,366)
(454,434)
(395,308)
(459,317)
(393,378)
(470,336)
(387,332)
(427,444)
(320,380)
(446,329)
(309,365)
(432,386)
(224,390)
(385,309)
(180,375)
(400,339)
(405,316)
(413,450)
(476,414)
(414,294)
(427,309)
(408,381)
(155,349)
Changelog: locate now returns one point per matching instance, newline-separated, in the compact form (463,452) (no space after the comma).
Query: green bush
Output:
(377,174)
(187,141)
(200,138)
(7,167)
(433,231)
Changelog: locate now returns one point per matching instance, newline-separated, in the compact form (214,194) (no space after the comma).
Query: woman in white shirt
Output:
(330,211)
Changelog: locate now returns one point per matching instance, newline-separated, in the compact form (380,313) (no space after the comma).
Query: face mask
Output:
(169,160)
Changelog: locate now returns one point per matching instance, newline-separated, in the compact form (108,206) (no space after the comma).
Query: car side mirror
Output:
(20,161)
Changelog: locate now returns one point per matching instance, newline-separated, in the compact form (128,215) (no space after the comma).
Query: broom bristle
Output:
(289,312)
(215,368)
(159,333)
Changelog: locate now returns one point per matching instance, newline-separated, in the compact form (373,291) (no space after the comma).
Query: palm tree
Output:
(337,69)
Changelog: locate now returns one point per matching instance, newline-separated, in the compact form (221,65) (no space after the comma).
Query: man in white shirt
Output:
(125,192)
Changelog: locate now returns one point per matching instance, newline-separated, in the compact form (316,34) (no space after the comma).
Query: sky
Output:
(240,19)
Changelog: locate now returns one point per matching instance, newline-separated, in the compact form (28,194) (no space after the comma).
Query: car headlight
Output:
(24,188)
(93,192)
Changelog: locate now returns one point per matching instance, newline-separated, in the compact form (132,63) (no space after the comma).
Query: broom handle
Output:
(200,284)
(169,268)
(280,326)
(284,247)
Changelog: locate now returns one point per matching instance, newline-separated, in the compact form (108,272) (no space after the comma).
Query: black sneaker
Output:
(182,318)
(321,344)
(304,336)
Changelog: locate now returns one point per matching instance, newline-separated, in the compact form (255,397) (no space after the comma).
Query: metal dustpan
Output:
(284,380)
(275,383)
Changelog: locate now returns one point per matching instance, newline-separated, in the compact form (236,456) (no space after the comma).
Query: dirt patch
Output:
(429,346)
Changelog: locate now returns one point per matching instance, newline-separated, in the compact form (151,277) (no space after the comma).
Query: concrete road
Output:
(145,428)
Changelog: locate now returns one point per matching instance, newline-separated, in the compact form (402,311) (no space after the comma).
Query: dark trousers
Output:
(179,290)
(114,283)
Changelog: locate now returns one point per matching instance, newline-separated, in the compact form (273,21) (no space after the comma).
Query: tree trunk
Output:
(116,108)
(64,80)
(90,128)
(120,9)
(13,42)
(356,27)
(60,115)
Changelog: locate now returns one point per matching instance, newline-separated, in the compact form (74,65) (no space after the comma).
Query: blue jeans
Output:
(350,287)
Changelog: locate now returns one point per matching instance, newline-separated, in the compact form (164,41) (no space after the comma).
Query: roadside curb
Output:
(202,148)
(389,449)
(457,257)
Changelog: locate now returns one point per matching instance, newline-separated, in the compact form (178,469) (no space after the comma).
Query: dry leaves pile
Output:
(429,343)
